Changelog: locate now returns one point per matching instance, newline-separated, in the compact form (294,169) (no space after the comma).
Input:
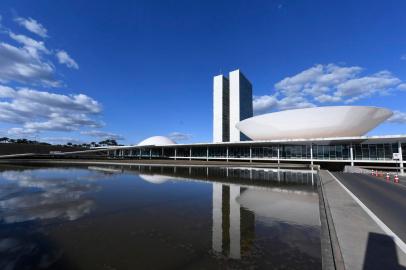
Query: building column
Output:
(140,152)
(351,155)
(401,165)
(311,155)
(227,154)
(250,153)
(190,153)
(162,154)
(175,153)
(150,153)
(207,153)
(279,161)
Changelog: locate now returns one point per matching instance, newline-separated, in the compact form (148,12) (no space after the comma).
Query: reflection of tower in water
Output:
(233,229)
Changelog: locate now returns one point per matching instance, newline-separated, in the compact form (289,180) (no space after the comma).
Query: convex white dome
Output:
(157,140)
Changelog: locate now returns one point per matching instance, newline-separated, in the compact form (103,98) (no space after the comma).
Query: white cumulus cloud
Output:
(402,86)
(34,47)
(64,58)
(36,111)
(329,83)
(398,117)
(25,66)
(33,26)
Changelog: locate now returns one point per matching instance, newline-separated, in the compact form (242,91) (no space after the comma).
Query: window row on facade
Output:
(320,152)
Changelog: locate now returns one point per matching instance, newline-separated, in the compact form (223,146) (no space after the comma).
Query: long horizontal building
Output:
(385,151)
(332,136)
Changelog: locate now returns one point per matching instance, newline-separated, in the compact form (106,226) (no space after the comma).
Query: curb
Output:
(330,249)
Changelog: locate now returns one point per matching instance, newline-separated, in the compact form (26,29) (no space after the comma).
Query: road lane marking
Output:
(380,223)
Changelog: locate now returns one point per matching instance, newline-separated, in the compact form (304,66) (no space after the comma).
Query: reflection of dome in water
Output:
(157,140)
(289,207)
(154,178)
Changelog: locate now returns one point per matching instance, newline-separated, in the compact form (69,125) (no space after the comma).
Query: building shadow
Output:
(381,253)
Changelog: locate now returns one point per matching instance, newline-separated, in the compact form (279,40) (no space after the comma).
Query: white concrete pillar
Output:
(250,154)
(227,154)
(351,155)
(235,223)
(311,155)
(150,153)
(279,161)
(401,165)
(207,154)
(190,153)
(175,153)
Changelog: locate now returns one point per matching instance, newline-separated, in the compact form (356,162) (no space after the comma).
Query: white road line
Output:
(382,225)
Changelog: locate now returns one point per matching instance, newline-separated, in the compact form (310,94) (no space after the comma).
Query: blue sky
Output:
(88,70)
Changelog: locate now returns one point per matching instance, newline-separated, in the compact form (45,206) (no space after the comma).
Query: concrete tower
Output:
(232,103)
(240,103)
(221,109)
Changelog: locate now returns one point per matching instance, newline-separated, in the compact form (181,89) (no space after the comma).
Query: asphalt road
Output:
(385,200)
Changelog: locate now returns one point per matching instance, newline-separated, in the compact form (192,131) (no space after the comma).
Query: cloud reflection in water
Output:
(32,195)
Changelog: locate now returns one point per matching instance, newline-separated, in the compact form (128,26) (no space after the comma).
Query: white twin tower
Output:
(233,119)
(232,103)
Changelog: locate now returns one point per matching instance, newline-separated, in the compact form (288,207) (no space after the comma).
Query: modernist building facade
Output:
(379,151)
(322,135)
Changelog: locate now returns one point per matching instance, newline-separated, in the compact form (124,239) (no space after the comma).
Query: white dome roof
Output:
(157,140)
(317,122)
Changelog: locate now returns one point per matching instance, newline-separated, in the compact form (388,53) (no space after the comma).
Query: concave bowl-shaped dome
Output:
(310,123)
(157,140)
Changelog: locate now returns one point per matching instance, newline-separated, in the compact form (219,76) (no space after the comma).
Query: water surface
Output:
(149,217)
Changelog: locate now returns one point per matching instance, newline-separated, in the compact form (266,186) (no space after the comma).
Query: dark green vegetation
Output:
(10,146)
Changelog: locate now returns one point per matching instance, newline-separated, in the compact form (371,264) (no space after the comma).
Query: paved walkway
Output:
(362,242)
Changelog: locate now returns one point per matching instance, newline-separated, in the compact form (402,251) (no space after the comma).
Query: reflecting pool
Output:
(154,217)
